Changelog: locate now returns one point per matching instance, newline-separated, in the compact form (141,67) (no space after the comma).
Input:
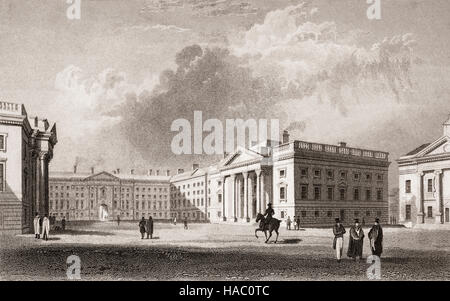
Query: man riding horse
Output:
(268,223)
(269,213)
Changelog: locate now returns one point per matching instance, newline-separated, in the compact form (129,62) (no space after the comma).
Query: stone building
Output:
(26,149)
(424,182)
(104,196)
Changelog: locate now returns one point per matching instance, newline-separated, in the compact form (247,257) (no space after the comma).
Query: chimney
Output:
(285,136)
(92,170)
(157,172)
(343,144)
(447,127)
(118,170)
(36,122)
(180,170)
(132,171)
(168,172)
(74,169)
(195,166)
(149,172)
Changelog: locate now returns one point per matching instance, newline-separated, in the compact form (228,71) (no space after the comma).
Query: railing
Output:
(9,106)
(341,150)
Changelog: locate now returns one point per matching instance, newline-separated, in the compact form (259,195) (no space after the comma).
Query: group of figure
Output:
(185,222)
(296,222)
(356,239)
(146,226)
(41,226)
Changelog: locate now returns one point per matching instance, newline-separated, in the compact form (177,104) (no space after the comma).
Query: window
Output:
(430,185)
(367,213)
(303,213)
(329,213)
(368,194)
(282,214)
(304,172)
(304,192)
(356,194)
(317,193)
(429,211)
(368,177)
(342,194)
(343,175)
(282,173)
(317,174)
(380,177)
(282,193)
(379,194)
(408,186)
(356,176)
(356,213)
(408,212)
(330,174)
(316,213)
(2,142)
(330,193)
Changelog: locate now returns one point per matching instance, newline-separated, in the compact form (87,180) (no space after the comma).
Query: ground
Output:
(217,252)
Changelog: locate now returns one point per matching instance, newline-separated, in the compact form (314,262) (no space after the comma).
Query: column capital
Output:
(258,172)
(421,173)
(438,172)
(233,176)
(245,174)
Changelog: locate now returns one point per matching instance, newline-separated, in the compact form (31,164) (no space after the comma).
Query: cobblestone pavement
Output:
(217,252)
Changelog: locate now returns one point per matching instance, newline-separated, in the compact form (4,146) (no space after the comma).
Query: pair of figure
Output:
(146,226)
(41,226)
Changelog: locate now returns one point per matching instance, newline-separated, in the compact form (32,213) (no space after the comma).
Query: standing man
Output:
(63,223)
(376,238)
(355,244)
(45,227)
(149,227)
(298,222)
(118,220)
(338,242)
(288,223)
(37,228)
(185,223)
(142,224)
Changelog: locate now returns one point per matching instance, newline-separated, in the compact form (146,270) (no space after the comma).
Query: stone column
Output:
(223,199)
(247,219)
(233,197)
(437,179)
(263,193)
(258,192)
(421,213)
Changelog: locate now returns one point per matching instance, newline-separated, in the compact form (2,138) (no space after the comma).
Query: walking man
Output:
(338,242)
(37,228)
(149,227)
(376,238)
(356,242)
(142,224)
(45,227)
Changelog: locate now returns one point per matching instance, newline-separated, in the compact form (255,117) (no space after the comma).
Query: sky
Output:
(114,80)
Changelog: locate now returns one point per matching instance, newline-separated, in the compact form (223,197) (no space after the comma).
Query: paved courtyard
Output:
(217,252)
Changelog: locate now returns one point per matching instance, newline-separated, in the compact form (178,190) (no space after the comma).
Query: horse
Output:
(274,225)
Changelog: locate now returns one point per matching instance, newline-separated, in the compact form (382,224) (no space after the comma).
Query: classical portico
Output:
(245,187)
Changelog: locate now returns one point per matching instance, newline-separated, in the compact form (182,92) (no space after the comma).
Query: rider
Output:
(269,213)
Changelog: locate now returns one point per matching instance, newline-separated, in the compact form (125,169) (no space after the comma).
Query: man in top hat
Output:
(269,213)
(149,227)
(338,242)
(142,225)
(355,244)
(37,228)
(376,238)
(45,227)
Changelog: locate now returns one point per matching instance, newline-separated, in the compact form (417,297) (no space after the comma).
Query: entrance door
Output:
(447,215)
(103,212)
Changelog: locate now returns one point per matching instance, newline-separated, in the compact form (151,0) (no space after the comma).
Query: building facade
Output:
(316,182)
(424,183)
(26,149)
(105,196)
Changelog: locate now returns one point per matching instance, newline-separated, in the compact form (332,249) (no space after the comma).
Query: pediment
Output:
(439,147)
(102,176)
(241,155)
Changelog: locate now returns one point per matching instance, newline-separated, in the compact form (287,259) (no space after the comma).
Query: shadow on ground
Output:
(81,232)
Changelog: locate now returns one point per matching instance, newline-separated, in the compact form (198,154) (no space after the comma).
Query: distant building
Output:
(26,149)
(424,182)
(393,206)
(104,196)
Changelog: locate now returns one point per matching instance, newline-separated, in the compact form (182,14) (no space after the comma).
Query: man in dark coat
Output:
(355,244)
(269,213)
(185,222)
(376,238)
(142,224)
(149,227)
(298,223)
(118,220)
(63,223)
(338,242)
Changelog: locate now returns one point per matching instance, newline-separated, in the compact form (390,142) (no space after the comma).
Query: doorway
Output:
(103,212)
